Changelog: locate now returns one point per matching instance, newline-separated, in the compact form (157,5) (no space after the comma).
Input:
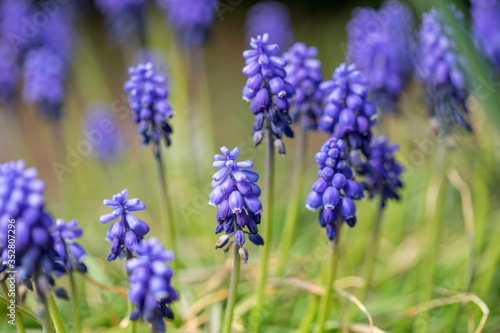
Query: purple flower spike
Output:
(70,253)
(335,188)
(236,196)
(150,283)
(268,91)
(128,231)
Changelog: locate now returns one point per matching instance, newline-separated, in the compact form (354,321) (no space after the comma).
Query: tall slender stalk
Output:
(76,305)
(333,258)
(312,308)
(233,287)
(292,212)
(54,314)
(267,230)
(19,318)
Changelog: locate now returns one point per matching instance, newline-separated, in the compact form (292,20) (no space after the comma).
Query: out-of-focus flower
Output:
(335,189)
(191,19)
(381,170)
(304,73)
(486,28)
(267,90)
(128,231)
(270,17)
(380,46)
(69,253)
(102,129)
(13,17)
(9,72)
(440,71)
(148,99)
(235,193)
(150,283)
(348,115)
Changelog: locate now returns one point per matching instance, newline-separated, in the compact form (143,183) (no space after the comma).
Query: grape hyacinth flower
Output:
(267,90)
(485,26)
(303,71)
(102,126)
(22,208)
(70,253)
(348,115)
(12,13)
(9,72)
(379,43)
(381,170)
(44,75)
(191,19)
(270,17)
(147,97)
(335,189)
(128,231)
(150,283)
(237,196)
(440,70)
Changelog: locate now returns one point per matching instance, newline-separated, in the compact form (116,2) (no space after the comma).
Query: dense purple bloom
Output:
(22,208)
(303,71)
(14,14)
(270,17)
(348,115)
(380,46)
(381,170)
(335,189)
(440,71)
(69,252)
(125,233)
(147,97)
(103,130)
(150,283)
(191,19)
(267,90)
(485,26)
(235,193)
(9,72)
(44,75)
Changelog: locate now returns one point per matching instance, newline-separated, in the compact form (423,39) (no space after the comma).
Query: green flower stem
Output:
(233,288)
(54,314)
(21,310)
(130,305)
(46,323)
(19,323)
(76,305)
(257,316)
(19,318)
(292,212)
(325,303)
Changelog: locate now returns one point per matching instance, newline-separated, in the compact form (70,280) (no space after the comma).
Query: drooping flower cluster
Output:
(440,71)
(348,115)
(147,97)
(22,209)
(237,196)
(485,26)
(379,43)
(267,90)
(128,231)
(150,283)
(270,17)
(303,71)
(103,130)
(191,19)
(335,189)
(69,252)
(381,170)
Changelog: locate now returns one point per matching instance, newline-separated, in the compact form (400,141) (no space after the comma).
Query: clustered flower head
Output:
(304,73)
(440,71)
(379,43)
(348,115)
(237,196)
(150,283)
(270,17)
(335,189)
(22,205)
(70,253)
(485,26)
(128,231)
(267,90)
(381,170)
(191,19)
(147,97)
(103,129)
